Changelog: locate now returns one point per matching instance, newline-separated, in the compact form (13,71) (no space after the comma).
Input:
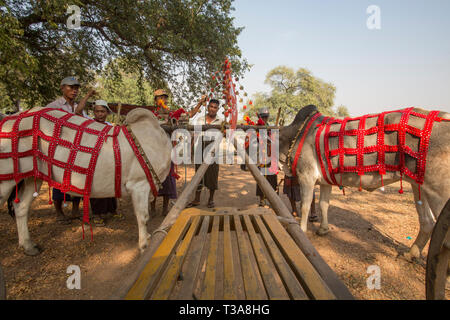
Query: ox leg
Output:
(426,221)
(21,210)
(324,202)
(306,192)
(140,197)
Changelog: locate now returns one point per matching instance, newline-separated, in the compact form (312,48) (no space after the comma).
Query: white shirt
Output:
(202,120)
(61,103)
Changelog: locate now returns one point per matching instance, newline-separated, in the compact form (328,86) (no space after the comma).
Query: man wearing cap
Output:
(162,97)
(169,185)
(69,88)
(102,207)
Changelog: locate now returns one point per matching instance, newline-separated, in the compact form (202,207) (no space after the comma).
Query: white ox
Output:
(145,127)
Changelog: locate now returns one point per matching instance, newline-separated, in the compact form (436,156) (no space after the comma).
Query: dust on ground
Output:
(365,229)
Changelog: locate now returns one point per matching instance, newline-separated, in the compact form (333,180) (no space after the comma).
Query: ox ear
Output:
(139,114)
(303,114)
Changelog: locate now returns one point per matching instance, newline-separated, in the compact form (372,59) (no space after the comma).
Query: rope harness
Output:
(48,159)
(402,128)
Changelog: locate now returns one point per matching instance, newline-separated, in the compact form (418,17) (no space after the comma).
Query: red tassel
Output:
(401,184)
(49,196)
(17,200)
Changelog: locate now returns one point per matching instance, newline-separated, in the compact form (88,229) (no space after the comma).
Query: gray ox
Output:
(146,128)
(435,190)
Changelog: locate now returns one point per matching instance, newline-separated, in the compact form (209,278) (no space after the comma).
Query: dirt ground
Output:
(366,229)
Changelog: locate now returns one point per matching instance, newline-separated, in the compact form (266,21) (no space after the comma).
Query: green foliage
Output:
(292,90)
(173,44)
(117,85)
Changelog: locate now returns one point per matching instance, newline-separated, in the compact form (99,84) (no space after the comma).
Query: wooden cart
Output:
(229,254)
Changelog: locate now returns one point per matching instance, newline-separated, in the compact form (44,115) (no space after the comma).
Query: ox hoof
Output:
(33,251)
(144,246)
(322,231)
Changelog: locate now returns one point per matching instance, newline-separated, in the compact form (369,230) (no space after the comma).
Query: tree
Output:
(292,90)
(174,44)
(118,85)
(342,111)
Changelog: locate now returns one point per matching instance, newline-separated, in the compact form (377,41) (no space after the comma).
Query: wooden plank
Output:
(219,265)
(193,266)
(229,289)
(300,264)
(268,275)
(209,284)
(152,271)
(290,281)
(252,289)
(239,281)
(172,272)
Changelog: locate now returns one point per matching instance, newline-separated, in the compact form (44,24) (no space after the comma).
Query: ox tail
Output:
(11,198)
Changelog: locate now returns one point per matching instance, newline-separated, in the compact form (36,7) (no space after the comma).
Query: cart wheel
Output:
(2,285)
(438,257)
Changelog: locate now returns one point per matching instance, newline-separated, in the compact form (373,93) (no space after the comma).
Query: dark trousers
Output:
(103,205)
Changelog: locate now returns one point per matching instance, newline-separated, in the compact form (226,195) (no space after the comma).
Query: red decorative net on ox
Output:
(31,159)
(357,138)
(32,139)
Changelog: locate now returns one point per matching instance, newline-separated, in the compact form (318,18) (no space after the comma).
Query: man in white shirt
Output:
(69,88)
(211,177)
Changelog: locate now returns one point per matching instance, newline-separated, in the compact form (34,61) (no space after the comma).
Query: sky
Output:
(404,63)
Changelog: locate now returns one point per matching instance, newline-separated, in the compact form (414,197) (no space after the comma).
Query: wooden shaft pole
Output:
(160,233)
